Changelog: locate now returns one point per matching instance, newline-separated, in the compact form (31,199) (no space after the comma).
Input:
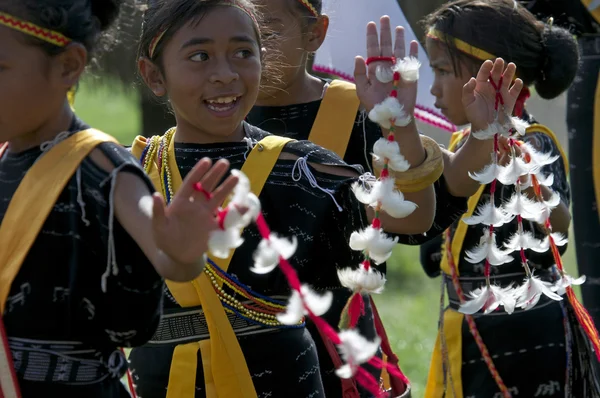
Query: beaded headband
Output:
(461,45)
(230,3)
(309,7)
(47,35)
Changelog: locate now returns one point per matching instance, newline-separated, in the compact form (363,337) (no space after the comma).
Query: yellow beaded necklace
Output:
(253,307)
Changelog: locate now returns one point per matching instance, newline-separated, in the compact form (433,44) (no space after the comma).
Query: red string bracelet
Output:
(380,59)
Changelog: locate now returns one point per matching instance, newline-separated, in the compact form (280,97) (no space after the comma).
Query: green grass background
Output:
(410,304)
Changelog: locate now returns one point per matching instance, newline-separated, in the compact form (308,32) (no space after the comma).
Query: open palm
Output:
(479,94)
(182,228)
(369,89)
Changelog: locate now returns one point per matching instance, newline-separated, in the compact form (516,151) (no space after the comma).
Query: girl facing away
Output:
(207,57)
(84,243)
(540,349)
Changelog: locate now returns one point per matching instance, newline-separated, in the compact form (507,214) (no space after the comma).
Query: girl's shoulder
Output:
(318,157)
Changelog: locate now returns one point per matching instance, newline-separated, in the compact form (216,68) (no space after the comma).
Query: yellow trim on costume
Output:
(435,381)
(595,12)
(453,320)
(34,199)
(596,141)
(229,375)
(461,45)
(334,123)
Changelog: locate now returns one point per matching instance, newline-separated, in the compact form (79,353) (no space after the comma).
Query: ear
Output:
(70,64)
(152,76)
(317,33)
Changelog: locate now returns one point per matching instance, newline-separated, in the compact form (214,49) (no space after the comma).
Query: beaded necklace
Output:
(252,306)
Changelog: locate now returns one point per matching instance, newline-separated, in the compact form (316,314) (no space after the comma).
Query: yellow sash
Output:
(34,199)
(453,320)
(595,12)
(335,120)
(225,370)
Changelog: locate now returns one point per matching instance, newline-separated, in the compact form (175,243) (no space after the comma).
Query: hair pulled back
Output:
(82,21)
(546,55)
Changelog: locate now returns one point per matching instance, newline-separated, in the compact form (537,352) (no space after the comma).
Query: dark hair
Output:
(301,8)
(546,56)
(82,21)
(173,14)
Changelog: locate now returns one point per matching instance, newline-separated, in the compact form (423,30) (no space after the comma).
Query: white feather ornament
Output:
(384,191)
(489,298)
(362,280)
(487,249)
(531,291)
(377,245)
(318,304)
(383,149)
(268,252)
(389,109)
(408,67)
(488,214)
(355,350)
(487,175)
(515,169)
(520,204)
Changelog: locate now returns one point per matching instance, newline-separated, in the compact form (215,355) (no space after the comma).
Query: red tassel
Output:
(585,321)
(356,309)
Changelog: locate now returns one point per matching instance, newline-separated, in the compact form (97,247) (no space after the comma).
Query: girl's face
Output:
(447,86)
(292,42)
(31,90)
(212,71)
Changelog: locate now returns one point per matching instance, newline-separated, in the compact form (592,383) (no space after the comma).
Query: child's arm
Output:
(173,237)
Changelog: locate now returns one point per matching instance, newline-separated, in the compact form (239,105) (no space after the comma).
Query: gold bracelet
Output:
(420,177)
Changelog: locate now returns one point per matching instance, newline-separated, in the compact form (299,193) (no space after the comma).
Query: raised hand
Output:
(182,228)
(480,95)
(369,89)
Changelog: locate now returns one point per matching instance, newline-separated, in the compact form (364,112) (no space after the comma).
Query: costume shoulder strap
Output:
(335,120)
(34,199)
(540,128)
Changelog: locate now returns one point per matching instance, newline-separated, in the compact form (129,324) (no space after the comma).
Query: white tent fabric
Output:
(346,39)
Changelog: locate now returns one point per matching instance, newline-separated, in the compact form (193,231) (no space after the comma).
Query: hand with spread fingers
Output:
(491,93)
(182,228)
(383,52)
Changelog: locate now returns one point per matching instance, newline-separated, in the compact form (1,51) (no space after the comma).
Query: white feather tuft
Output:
(388,110)
(294,311)
(530,292)
(362,280)
(488,214)
(384,191)
(520,204)
(391,150)
(222,241)
(487,249)
(489,132)
(377,245)
(408,67)
(519,125)
(355,350)
(524,240)
(487,175)
(489,298)
(268,252)
(516,167)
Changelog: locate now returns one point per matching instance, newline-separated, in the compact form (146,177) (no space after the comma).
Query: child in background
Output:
(84,244)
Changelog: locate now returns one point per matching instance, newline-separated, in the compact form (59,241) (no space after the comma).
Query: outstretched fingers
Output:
(385,37)
(399,44)
(484,72)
